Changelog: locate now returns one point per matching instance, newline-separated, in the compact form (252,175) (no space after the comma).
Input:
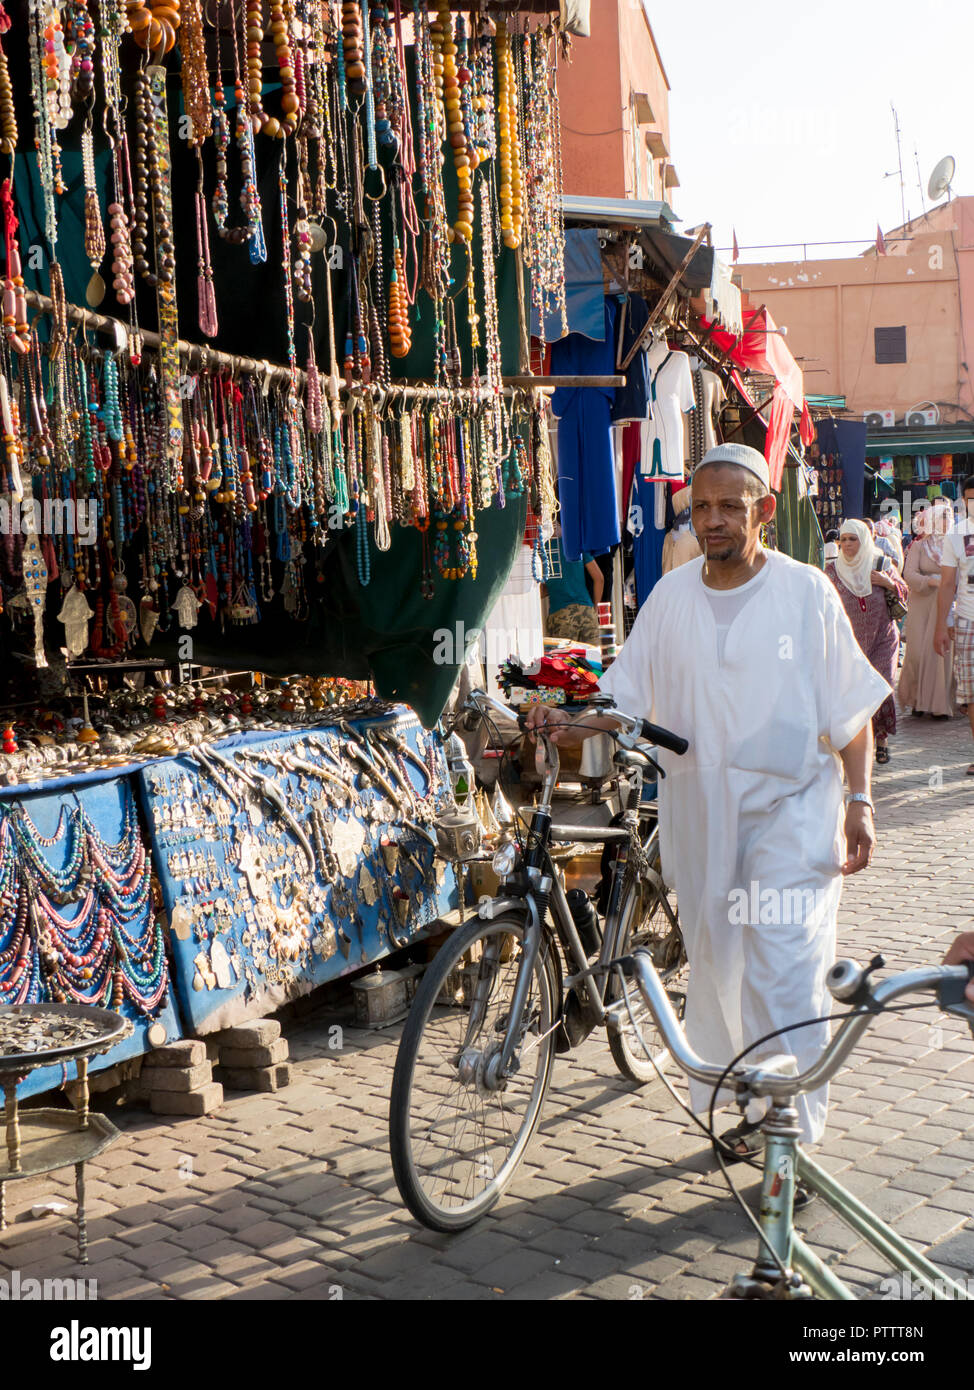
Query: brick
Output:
(589,1264)
(194,1103)
(472,1252)
(179,1078)
(511,1270)
(549,1284)
(272,1078)
(264,1056)
(927,1224)
(261,1032)
(189,1052)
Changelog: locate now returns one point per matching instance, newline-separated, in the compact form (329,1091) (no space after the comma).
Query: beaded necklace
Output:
(8,114)
(545,234)
(94,230)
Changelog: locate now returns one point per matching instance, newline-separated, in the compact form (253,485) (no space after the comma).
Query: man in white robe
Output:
(750,656)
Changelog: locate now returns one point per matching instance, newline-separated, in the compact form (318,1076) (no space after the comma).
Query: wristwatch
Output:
(860,796)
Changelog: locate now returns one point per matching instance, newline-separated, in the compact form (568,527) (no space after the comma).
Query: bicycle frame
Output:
(785,1162)
(540,886)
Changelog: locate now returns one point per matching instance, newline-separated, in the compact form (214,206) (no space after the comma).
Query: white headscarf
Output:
(932,524)
(857,576)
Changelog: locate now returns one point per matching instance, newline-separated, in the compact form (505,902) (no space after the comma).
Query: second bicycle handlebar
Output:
(774,1084)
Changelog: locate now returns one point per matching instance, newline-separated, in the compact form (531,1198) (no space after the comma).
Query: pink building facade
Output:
(615,109)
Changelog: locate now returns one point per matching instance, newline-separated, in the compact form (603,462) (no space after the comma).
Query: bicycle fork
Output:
(773,1277)
(494,1067)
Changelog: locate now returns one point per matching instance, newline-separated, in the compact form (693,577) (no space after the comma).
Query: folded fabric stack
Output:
(564,671)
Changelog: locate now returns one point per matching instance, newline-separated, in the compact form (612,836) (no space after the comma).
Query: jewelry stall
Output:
(266,406)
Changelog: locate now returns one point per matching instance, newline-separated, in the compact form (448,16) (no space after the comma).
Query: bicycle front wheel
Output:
(455,1140)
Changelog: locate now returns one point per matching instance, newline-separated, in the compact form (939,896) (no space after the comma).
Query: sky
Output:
(780,121)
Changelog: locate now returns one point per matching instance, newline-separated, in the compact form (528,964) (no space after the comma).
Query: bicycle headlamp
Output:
(504,859)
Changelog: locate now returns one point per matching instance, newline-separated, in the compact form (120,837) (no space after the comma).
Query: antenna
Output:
(916,159)
(899,163)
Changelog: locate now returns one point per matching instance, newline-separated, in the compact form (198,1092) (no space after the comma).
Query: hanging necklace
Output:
(94,230)
(509,145)
(8,114)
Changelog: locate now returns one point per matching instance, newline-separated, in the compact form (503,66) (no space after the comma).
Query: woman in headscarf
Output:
(886,533)
(926,678)
(863,589)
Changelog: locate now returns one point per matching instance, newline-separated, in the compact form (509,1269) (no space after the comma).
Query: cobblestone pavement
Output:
(292,1194)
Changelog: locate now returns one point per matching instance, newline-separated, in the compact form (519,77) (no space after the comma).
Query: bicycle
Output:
(785,1267)
(476,1055)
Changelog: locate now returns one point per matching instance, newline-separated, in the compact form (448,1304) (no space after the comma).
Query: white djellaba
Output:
(757,799)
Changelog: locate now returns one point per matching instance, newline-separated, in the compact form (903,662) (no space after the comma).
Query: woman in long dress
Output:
(926,678)
(862,589)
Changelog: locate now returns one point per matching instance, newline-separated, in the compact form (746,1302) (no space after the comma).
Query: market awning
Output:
(761,348)
(616,212)
(664,250)
(943,439)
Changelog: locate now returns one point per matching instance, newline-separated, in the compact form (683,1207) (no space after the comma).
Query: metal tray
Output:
(51,1139)
(113,1029)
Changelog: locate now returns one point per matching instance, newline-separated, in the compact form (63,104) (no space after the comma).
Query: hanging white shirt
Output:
(662,437)
(751,816)
(713,395)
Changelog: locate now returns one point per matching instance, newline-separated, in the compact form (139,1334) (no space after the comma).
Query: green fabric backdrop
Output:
(386,630)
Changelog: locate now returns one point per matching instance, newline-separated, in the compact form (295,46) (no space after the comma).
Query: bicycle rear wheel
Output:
(655,931)
(456,1143)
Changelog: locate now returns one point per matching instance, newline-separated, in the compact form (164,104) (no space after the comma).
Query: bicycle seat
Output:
(590,834)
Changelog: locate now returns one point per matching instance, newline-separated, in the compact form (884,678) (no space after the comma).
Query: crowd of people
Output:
(910,599)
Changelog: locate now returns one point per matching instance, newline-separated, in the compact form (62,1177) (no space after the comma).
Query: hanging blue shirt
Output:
(586,476)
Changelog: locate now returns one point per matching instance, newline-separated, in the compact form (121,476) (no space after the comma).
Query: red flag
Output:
(737,249)
(880,243)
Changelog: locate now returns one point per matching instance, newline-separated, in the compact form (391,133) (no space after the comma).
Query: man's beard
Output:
(727,553)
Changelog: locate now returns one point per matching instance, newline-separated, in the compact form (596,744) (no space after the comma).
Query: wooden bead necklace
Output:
(154,25)
(8,115)
(508,142)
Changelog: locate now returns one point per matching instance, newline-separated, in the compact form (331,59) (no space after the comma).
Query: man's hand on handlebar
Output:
(959,954)
(561,726)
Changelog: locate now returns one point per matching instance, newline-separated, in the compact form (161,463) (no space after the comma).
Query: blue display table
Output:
(282,860)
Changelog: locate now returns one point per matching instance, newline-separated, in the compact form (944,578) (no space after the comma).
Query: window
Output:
(890,344)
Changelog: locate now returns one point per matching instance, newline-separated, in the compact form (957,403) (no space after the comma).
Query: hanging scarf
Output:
(857,574)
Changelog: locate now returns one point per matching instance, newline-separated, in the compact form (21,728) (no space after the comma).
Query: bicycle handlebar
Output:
(663,738)
(775,1085)
(632,723)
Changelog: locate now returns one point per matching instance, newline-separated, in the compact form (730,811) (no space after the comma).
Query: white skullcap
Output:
(741,455)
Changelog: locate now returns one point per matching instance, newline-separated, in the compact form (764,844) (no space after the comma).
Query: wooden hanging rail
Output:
(204,356)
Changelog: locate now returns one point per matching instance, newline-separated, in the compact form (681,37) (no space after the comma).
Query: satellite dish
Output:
(940,179)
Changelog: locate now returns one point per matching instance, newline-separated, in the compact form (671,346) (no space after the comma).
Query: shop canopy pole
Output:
(207,356)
